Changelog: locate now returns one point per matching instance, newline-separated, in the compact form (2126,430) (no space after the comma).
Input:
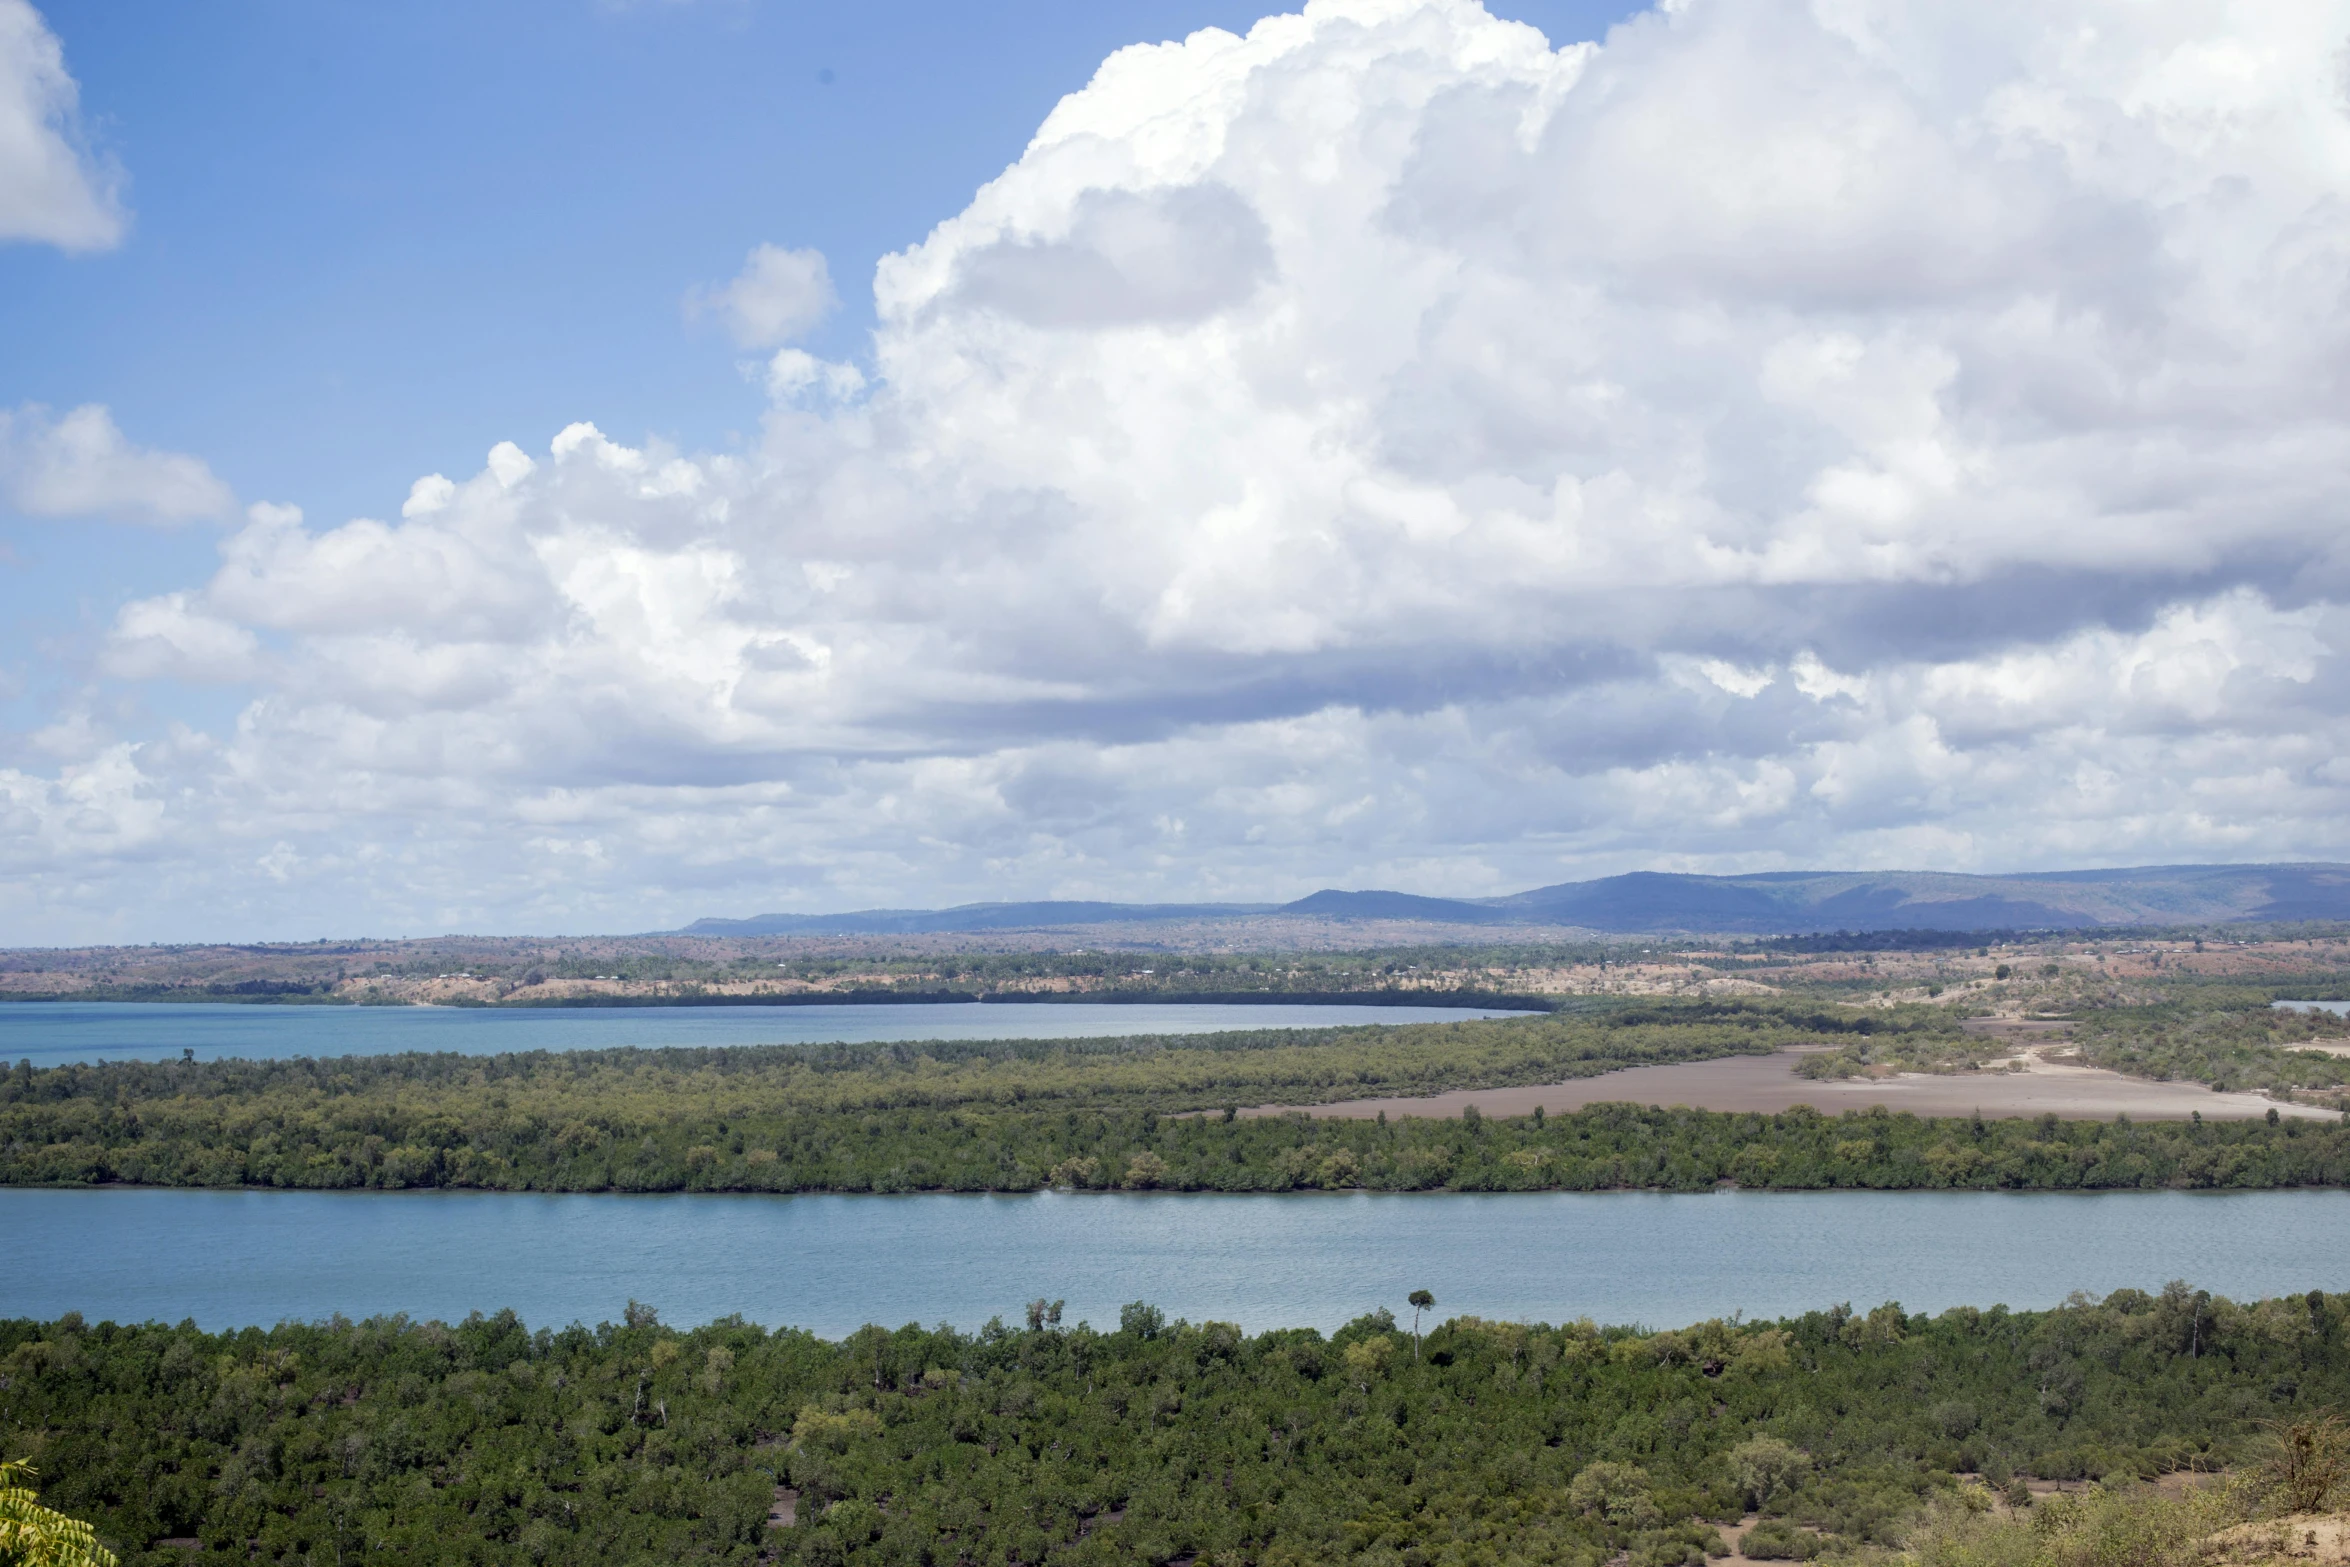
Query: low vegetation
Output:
(1153,1441)
(2229,1037)
(1009,1116)
(2226,1035)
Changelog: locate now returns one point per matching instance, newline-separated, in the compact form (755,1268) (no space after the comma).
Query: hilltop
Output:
(1768,903)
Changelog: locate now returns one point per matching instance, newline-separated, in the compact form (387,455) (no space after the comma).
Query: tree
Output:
(1762,1466)
(35,1536)
(1419,1301)
(1366,1359)
(2306,1461)
(1615,1492)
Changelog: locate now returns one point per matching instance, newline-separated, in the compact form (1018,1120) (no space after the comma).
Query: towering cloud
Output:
(1388,448)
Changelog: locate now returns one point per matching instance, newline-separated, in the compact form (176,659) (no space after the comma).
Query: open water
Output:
(830,1263)
(52,1033)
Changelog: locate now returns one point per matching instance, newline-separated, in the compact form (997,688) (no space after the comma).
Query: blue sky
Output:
(368,241)
(1392,450)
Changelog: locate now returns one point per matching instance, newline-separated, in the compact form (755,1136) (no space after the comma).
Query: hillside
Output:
(1771,903)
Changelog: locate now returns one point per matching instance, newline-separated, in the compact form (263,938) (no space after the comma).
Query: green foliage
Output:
(486,1442)
(1941,1054)
(2227,1036)
(1764,1466)
(1777,1540)
(2196,1030)
(1005,1115)
(1603,1148)
(2306,1463)
(32,1535)
(2122,1526)
(1088,1115)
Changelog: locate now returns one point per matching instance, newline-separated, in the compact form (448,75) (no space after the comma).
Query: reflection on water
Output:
(832,1263)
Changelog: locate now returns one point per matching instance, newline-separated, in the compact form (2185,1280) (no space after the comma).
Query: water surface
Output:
(51,1033)
(832,1263)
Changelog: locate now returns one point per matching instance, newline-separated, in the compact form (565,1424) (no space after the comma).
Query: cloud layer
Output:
(1383,449)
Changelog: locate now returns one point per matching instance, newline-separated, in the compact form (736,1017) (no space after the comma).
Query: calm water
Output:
(2338,1008)
(832,1263)
(52,1033)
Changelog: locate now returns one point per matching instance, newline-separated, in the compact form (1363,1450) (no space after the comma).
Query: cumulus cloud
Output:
(79,464)
(1386,448)
(1172,256)
(778,295)
(169,636)
(52,190)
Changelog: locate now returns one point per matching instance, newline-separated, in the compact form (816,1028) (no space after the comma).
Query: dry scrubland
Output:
(1267,957)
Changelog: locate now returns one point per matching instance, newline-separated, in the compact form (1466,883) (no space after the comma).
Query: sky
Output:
(583,466)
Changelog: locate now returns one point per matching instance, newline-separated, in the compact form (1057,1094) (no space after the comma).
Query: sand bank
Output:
(2076,1093)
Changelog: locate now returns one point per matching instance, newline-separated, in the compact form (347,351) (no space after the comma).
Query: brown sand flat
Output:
(2076,1093)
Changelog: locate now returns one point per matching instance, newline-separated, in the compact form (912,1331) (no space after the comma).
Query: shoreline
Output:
(1490,1001)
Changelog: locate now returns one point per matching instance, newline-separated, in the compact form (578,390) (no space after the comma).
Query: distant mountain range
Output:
(1775,903)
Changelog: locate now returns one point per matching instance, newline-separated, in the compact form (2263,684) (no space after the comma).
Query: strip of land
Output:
(2037,1086)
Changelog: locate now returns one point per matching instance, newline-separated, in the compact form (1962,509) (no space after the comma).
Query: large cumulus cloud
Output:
(1384,448)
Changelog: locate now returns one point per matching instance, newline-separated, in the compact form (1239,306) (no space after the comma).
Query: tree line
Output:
(1473,1444)
(650,1145)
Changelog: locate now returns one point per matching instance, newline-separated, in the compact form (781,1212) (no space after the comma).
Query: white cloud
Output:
(1399,452)
(167,636)
(52,190)
(80,465)
(794,372)
(778,295)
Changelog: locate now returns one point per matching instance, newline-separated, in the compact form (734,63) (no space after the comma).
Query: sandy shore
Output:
(2076,1093)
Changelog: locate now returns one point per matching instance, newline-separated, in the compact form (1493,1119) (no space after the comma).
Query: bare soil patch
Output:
(2042,1087)
(2314,1538)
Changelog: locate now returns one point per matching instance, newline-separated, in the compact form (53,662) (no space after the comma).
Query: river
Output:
(831,1263)
(52,1033)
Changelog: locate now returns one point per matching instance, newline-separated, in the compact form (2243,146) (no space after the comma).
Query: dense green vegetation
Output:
(1479,1443)
(1017,1115)
(1087,1114)
(1124,1113)
(1605,1147)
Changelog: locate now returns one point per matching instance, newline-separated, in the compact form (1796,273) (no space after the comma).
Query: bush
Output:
(1777,1540)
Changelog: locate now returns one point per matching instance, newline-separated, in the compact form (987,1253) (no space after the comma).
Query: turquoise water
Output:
(833,1263)
(53,1033)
